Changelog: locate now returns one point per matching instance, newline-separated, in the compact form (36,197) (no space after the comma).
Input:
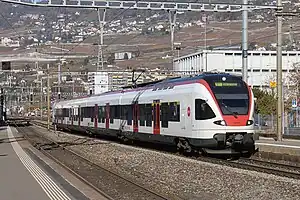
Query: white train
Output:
(211,112)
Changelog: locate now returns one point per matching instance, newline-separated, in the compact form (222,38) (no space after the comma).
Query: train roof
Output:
(182,79)
(163,81)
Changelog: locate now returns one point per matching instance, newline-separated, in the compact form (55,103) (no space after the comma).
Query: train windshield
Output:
(231,93)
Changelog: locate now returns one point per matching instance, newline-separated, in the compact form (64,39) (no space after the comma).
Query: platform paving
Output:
(27,174)
(286,146)
(18,181)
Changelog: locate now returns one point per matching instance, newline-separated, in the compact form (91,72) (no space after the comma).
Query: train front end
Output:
(233,103)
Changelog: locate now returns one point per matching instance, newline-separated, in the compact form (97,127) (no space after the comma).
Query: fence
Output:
(267,124)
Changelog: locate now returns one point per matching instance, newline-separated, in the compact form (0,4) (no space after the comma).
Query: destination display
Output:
(226,84)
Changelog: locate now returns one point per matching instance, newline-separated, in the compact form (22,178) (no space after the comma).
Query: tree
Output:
(265,102)
(294,76)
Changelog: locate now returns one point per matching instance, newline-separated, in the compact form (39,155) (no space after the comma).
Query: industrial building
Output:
(98,82)
(104,81)
(261,64)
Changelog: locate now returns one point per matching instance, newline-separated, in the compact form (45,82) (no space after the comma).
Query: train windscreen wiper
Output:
(229,110)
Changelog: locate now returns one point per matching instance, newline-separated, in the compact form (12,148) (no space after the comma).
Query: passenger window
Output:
(174,112)
(129,115)
(203,110)
(148,114)
(112,114)
(142,114)
(70,114)
(101,114)
(164,115)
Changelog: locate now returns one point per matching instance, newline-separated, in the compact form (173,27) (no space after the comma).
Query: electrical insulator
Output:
(59,96)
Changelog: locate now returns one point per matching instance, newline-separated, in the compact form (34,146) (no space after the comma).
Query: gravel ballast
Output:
(175,175)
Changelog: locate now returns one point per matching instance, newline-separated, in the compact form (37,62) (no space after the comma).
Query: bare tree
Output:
(293,79)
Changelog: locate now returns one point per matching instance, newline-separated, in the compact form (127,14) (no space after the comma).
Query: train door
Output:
(71,112)
(79,115)
(135,117)
(107,116)
(63,115)
(96,116)
(156,116)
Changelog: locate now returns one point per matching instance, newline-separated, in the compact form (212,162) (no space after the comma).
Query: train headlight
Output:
(220,122)
(249,122)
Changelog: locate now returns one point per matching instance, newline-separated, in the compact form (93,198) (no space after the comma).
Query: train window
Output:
(111,114)
(203,110)
(103,114)
(142,114)
(81,113)
(100,114)
(164,116)
(117,112)
(91,113)
(64,112)
(87,114)
(57,113)
(74,114)
(70,113)
(129,114)
(174,115)
(148,114)
(124,112)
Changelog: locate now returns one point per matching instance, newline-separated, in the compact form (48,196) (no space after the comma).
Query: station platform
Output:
(26,173)
(287,147)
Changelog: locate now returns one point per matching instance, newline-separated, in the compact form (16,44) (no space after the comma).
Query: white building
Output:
(7,42)
(123,56)
(261,64)
(98,82)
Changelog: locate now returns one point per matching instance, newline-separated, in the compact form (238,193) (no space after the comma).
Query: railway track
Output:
(279,169)
(112,186)
(265,166)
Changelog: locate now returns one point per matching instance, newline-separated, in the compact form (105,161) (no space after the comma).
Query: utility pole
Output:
(279,71)
(172,21)
(48,97)
(245,42)
(41,96)
(101,20)
(205,42)
(205,30)
(59,81)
